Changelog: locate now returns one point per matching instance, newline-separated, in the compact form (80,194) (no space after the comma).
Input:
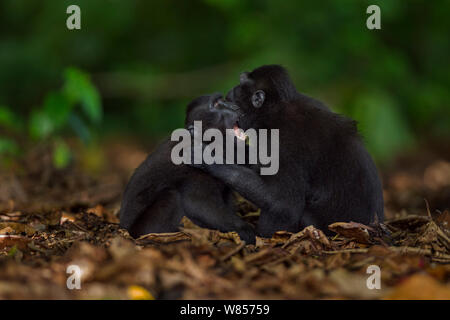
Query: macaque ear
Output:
(258,98)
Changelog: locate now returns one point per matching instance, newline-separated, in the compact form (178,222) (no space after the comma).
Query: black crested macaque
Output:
(160,193)
(325,173)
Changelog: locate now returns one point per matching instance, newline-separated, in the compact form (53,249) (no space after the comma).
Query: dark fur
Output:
(325,173)
(160,193)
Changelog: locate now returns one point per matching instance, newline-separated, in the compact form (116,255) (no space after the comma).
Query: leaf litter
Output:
(44,230)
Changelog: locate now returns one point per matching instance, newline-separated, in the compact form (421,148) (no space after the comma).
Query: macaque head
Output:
(261,91)
(214,112)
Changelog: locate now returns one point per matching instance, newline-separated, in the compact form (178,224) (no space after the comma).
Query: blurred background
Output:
(128,74)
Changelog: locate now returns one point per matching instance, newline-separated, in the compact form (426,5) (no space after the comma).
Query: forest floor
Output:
(51,219)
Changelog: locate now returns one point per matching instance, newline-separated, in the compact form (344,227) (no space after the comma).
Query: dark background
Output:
(136,64)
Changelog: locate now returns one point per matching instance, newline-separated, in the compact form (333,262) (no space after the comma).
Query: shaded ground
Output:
(50,219)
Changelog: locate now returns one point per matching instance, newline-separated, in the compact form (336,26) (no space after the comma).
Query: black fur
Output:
(160,193)
(325,173)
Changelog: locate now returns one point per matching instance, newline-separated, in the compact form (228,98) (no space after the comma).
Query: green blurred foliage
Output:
(59,108)
(76,106)
(150,58)
(61,155)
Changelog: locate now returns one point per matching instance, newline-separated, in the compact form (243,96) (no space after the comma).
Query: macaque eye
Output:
(258,98)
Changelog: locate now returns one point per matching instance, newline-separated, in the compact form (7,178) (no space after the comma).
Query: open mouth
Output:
(239,133)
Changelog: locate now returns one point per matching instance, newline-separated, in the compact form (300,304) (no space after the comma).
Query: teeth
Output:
(239,133)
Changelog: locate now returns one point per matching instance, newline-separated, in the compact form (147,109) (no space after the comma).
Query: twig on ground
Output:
(233,252)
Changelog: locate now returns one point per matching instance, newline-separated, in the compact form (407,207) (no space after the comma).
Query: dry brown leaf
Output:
(420,287)
(7,230)
(354,285)
(188,224)
(13,240)
(265,256)
(409,222)
(281,237)
(66,216)
(102,212)
(443,220)
(18,228)
(309,240)
(352,230)
(53,218)
(162,237)
(139,293)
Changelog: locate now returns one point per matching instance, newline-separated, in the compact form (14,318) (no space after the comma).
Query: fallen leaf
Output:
(162,237)
(352,230)
(420,287)
(102,212)
(354,285)
(309,240)
(410,222)
(139,293)
(13,240)
(18,228)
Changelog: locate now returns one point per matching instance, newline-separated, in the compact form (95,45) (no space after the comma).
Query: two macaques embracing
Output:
(317,168)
